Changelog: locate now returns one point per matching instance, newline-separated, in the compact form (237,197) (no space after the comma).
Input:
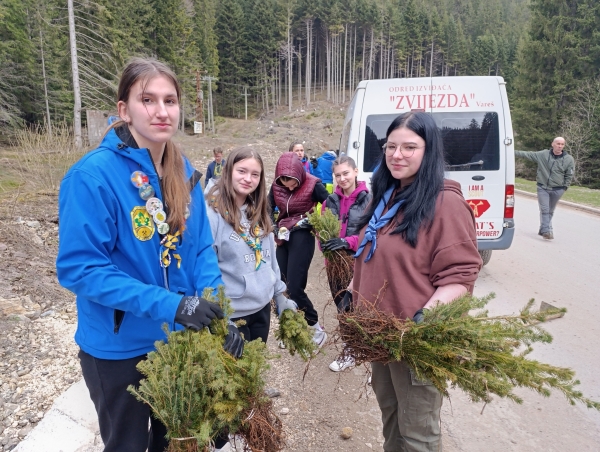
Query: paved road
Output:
(563,272)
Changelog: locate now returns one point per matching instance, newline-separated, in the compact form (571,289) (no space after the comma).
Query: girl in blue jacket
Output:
(136,249)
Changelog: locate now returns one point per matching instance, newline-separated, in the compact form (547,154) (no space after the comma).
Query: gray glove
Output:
(284,303)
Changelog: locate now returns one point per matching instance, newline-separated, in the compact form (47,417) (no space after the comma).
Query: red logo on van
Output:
(479,206)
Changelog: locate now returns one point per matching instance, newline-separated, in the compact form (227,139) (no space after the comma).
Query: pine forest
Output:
(258,55)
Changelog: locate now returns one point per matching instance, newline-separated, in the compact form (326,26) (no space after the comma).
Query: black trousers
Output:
(257,324)
(122,418)
(294,257)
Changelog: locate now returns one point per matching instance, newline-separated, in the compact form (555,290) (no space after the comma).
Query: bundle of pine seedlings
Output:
(198,391)
(340,263)
(296,335)
(454,347)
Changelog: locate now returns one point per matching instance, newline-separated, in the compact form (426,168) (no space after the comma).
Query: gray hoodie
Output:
(249,289)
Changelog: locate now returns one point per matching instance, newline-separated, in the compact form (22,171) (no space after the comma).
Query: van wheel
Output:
(486,255)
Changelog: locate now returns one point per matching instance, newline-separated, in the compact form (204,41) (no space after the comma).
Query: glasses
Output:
(407,150)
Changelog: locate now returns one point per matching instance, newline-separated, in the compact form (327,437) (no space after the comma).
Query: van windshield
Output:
(471,140)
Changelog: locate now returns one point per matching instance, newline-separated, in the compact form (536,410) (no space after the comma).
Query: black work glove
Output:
(234,342)
(196,313)
(313,162)
(419,316)
(346,303)
(336,244)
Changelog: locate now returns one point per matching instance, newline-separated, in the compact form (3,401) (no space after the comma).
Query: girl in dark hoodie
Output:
(295,193)
(348,203)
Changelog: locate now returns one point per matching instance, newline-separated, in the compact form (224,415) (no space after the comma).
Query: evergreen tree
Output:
(562,48)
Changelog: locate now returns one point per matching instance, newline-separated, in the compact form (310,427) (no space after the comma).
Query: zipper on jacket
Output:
(165,274)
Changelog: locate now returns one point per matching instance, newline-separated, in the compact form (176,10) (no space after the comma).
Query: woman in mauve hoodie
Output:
(295,193)
(417,248)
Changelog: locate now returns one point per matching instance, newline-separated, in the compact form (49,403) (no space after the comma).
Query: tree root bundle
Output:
(479,354)
(296,335)
(340,264)
(262,430)
(197,390)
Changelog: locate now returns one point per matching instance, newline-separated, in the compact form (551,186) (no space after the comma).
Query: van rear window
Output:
(471,140)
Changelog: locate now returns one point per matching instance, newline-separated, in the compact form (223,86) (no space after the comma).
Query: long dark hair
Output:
(420,196)
(222,197)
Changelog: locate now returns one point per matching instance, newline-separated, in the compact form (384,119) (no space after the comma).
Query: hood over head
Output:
(290,165)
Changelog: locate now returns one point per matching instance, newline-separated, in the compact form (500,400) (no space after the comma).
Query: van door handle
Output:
(478,177)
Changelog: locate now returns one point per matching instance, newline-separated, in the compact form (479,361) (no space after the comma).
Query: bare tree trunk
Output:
(48,121)
(307,75)
(353,84)
(371,58)
(328,63)
(345,52)
(289,60)
(75,70)
(431,62)
(299,71)
(363,52)
(382,47)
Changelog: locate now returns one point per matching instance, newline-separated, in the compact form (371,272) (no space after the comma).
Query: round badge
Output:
(159,216)
(162,228)
(186,215)
(153,205)
(139,178)
(146,192)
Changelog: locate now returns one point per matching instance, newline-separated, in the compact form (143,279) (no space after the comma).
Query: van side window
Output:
(471,140)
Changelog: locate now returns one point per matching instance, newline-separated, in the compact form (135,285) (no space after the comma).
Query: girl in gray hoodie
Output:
(244,243)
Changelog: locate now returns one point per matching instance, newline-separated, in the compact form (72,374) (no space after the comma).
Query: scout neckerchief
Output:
(254,243)
(377,222)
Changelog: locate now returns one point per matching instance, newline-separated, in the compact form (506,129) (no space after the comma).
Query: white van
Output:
(473,116)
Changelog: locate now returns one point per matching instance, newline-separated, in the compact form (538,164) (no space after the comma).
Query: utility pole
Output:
(211,117)
(245,102)
(75,70)
(199,102)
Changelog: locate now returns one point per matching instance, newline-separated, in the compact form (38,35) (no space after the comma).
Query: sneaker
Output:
(320,336)
(547,236)
(342,363)
(281,345)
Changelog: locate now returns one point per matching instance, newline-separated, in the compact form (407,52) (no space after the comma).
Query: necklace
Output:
(155,208)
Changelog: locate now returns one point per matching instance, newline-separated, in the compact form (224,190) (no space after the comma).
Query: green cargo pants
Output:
(410,409)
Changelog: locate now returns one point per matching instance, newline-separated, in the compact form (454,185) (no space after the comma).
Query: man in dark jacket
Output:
(554,175)
(215,168)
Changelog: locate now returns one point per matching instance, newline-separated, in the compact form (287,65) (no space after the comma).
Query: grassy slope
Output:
(579,195)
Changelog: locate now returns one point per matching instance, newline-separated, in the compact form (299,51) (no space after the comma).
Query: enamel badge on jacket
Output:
(143,226)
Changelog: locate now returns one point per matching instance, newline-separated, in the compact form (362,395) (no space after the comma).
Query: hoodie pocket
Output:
(118,317)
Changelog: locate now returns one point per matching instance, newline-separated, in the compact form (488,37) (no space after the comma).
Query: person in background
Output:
(348,203)
(136,250)
(298,148)
(295,192)
(322,168)
(554,175)
(215,168)
(417,243)
(245,244)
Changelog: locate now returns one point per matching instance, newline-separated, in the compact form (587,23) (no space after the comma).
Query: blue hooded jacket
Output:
(124,296)
(324,169)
